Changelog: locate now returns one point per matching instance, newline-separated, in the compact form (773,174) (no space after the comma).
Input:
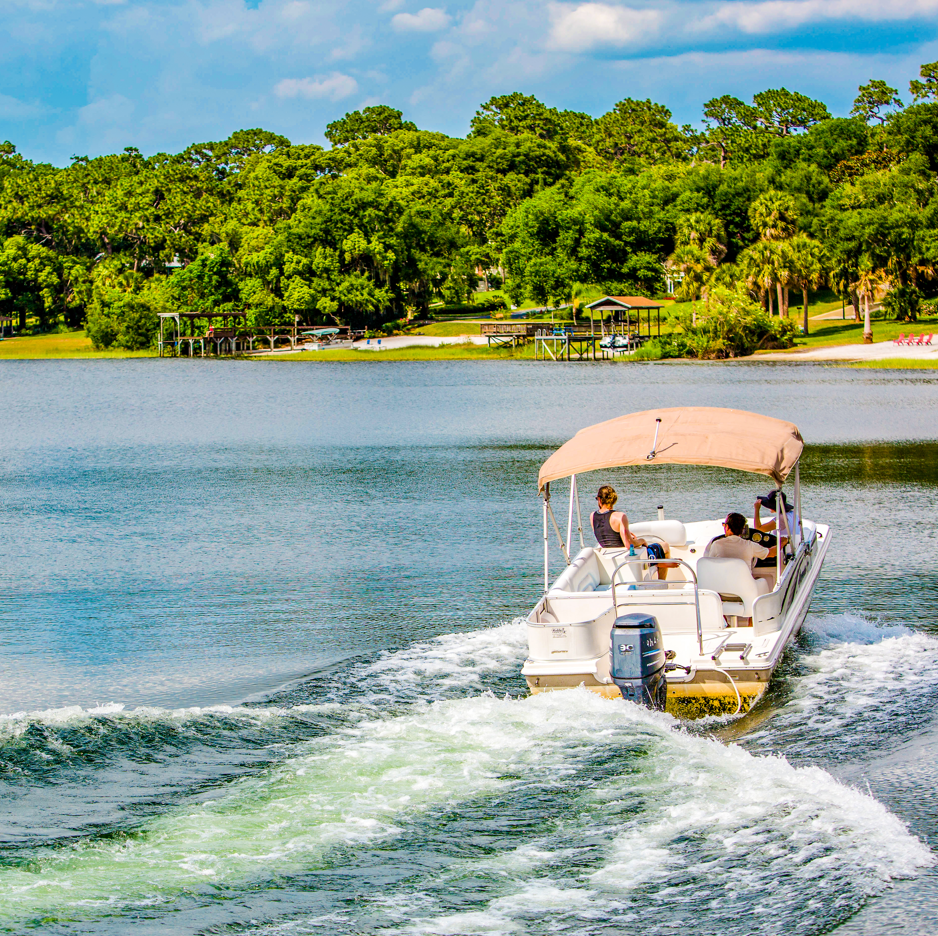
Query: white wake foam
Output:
(451,661)
(861,669)
(716,824)
(15,724)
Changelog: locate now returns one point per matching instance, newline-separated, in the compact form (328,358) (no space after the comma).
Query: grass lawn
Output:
(59,345)
(896,364)
(452,352)
(837,332)
(448,329)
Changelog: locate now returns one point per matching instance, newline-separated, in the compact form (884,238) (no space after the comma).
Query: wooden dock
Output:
(512,334)
(568,345)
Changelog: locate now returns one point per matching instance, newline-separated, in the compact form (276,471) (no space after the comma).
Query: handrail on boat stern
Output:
(630,560)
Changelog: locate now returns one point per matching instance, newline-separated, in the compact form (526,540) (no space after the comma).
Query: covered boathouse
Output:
(623,308)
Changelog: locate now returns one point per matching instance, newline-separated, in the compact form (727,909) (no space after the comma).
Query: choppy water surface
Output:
(259,662)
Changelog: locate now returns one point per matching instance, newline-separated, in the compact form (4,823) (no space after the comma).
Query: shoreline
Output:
(883,354)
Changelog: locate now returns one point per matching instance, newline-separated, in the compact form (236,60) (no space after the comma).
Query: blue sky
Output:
(86,77)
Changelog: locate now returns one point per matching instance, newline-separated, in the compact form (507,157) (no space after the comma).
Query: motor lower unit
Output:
(638,660)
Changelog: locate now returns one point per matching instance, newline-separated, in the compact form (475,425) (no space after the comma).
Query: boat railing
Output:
(658,583)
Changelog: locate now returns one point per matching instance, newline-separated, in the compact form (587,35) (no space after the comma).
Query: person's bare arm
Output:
(620,523)
(756,524)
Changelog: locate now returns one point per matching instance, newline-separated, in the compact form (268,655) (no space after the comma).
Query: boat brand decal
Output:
(626,648)
(559,631)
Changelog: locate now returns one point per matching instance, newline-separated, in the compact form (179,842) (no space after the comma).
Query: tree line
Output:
(766,201)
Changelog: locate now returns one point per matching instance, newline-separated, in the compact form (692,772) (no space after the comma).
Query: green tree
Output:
(118,319)
(873,100)
(782,112)
(758,267)
(902,303)
(732,129)
(640,130)
(774,216)
(30,281)
(915,130)
(730,324)
(928,87)
(230,156)
(208,284)
(808,262)
(377,120)
(524,115)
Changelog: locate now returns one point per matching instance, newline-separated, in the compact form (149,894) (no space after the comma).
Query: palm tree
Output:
(694,263)
(578,292)
(808,261)
(758,264)
(784,277)
(705,231)
(867,282)
(843,278)
(773,216)
(700,245)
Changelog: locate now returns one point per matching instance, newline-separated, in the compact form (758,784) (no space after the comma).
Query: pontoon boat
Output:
(713,630)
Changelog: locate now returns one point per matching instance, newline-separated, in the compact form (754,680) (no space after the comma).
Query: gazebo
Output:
(622,308)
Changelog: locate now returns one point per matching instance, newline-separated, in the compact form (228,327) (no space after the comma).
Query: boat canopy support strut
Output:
(563,545)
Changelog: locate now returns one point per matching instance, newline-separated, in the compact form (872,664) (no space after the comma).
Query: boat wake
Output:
(482,810)
(855,691)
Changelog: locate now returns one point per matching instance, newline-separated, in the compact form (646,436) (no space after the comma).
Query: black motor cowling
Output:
(638,660)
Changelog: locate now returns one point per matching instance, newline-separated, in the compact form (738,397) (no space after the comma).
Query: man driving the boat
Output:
(611,527)
(733,546)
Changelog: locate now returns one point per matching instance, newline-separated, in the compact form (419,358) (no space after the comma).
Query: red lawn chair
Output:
(928,340)
(899,340)
(919,340)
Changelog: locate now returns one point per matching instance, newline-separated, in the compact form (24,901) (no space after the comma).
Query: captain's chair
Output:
(732,580)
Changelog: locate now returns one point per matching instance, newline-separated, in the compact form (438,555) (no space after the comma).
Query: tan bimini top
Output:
(688,435)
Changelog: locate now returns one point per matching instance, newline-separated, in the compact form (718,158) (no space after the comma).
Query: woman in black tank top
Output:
(611,528)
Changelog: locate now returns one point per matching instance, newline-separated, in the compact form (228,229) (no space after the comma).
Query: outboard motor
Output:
(638,660)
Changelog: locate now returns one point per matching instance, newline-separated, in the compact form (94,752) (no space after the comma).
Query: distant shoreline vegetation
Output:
(769,201)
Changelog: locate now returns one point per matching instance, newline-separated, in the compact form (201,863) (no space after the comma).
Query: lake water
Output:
(259,661)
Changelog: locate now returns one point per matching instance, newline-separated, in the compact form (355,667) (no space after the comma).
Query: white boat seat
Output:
(673,532)
(732,580)
(582,575)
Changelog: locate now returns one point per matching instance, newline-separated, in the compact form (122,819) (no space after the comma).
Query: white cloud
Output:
(352,45)
(12,108)
(585,26)
(335,87)
(777,15)
(446,51)
(427,20)
(106,112)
